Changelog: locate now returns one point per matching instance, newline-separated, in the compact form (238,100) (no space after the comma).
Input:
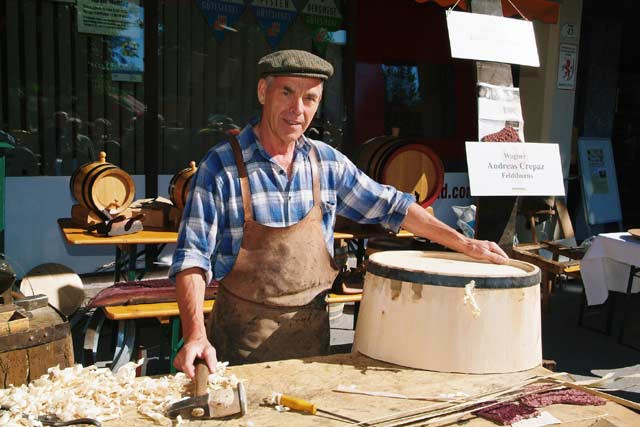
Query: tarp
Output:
(541,10)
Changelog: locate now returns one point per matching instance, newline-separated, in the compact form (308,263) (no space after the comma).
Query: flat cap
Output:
(293,62)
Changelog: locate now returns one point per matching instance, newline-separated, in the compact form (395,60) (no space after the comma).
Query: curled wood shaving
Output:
(98,393)
(470,299)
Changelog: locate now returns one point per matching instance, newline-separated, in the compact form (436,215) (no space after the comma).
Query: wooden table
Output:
(125,244)
(314,378)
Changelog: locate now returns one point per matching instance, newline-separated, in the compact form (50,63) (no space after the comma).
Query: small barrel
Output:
(444,311)
(180,185)
(404,163)
(101,186)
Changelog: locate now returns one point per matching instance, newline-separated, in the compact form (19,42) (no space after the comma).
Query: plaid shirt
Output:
(211,230)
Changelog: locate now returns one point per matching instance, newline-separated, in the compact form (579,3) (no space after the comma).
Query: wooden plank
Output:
(3,51)
(14,87)
(45,356)
(29,50)
(14,368)
(198,116)
(51,150)
(147,311)
(64,51)
(80,98)
(77,236)
(185,92)
(315,378)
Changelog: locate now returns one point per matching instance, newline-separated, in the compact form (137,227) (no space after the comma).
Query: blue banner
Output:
(222,15)
(274,17)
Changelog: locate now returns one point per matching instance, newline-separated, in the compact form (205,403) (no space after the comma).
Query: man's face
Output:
(289,104)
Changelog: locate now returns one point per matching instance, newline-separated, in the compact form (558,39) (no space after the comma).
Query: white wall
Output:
(32,236)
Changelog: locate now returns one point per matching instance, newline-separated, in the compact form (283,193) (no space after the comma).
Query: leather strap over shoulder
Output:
(244,178)
(315,175)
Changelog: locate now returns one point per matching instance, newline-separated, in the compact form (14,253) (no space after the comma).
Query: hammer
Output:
(203,405)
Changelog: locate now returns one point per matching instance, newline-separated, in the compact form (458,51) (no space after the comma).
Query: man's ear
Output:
(262,90)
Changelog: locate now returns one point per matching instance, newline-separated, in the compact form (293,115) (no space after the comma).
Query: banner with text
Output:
(221,15)
(274,17)
(110,18)
(323,17)
(514,169)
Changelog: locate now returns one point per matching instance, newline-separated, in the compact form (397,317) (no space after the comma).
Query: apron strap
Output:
(315,176)
(244,179)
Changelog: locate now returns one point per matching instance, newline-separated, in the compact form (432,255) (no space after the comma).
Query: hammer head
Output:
(218,404)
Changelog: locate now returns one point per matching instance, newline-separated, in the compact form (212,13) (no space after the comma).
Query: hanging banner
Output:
(323,17)
(222,15)
(109,18)
(567,67)
(274,17)
(127,50)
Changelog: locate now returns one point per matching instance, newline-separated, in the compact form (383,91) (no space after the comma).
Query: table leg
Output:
(117,270)
(133,258)
(633,271)
(176,342)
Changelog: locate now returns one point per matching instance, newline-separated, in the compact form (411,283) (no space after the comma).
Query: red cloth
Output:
(541,10)
(143,292)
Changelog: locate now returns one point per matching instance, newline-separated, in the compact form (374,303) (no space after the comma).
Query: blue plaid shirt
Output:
(211,230)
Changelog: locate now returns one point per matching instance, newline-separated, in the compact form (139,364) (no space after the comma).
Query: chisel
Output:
(302,405)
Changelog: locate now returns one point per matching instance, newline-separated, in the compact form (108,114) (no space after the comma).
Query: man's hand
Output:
(192,350)
(485,250)
(423,224)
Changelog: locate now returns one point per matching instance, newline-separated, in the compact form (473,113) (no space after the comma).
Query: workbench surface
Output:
(314,378)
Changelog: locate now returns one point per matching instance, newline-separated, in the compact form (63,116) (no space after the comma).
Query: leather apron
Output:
(271,304)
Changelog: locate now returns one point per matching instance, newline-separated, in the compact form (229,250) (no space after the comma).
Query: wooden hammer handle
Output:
(202,377)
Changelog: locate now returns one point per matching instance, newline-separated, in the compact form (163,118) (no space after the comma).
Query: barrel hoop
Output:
(426,278)
(32,338)
(93,180)
(88,203)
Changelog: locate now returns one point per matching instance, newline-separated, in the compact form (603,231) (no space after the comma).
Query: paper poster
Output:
(323,17)
(221,15)
(274,18)
(499,114)
(598,171)
(492,38)
(514,169)
(110,18)
(567,66)
(127,50)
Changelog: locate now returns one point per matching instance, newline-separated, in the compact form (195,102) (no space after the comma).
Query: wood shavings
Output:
(97,393)
(470,299)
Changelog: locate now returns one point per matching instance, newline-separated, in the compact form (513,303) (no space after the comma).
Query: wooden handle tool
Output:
(298,404)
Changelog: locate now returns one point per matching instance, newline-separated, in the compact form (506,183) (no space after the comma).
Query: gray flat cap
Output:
(294,63)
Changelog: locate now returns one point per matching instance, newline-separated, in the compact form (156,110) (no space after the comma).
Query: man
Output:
(262,208)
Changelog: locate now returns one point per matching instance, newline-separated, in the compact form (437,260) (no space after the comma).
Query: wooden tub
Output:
(414,313)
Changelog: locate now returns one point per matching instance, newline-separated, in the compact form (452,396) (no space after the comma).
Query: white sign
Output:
(492,38)
(514,169)
(111,18)
(568,31)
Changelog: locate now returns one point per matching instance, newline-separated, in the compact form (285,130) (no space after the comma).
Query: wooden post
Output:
(496,215)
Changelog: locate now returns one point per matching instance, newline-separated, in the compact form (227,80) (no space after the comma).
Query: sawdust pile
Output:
(98,393)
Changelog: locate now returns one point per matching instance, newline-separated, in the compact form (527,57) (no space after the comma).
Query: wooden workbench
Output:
(314,378)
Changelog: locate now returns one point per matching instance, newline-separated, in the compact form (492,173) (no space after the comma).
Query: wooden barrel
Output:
(26,355)
(180,185)
(420,309)
(405,164)
(102,186)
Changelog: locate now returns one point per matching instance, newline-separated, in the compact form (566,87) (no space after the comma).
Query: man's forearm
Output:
(423,224)
(190,287)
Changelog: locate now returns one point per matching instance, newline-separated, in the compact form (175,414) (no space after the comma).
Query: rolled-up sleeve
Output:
(366,201)
(198,235)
